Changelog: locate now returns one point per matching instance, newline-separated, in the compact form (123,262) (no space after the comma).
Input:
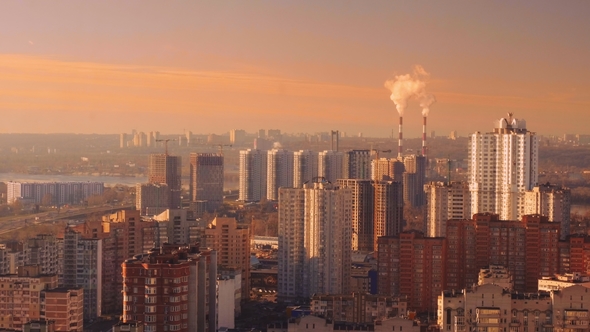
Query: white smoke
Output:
(405,87)
(425,101)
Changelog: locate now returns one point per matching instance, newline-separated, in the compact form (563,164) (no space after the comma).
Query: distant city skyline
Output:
(209,67)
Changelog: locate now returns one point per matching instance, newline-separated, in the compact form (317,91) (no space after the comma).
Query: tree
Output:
(17,206)
(47,200)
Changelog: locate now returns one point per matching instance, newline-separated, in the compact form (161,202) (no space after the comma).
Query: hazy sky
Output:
(299,66)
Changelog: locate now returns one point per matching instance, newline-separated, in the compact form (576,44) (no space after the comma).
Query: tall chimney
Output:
(400,138)
(424,136)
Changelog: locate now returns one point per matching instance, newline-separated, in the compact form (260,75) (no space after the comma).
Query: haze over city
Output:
(106,67)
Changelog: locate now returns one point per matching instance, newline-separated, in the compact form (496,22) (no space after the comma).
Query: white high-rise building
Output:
(502,166)
(252,175)
(445,201)
(330,165)
(551,201)
(305,167)
(279,172)
(314,240)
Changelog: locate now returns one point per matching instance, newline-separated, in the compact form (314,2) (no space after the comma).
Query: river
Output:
(108,180)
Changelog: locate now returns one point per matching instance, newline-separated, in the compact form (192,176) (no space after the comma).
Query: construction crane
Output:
(378,151)
(166,142)
(221,147)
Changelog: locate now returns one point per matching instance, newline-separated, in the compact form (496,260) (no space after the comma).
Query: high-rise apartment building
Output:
(174,227)
(363,200)
(43,252)
(64,306)
(206,179)
(82,267)
(231,240)
(551,201)
(386,169)
(279,172)
(124,235)
(167,169)
(502,165)
(330,165)
(171,288)
(21,297)
(414,179)
(445,201)
(412,265)
(151,198)
(388,210)
(529,249)
(315,225)
(357,164)
(252,175)
(305,167)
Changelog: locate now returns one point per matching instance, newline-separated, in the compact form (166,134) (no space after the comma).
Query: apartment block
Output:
(231,241)
(279,172)
(315,225)
(445,201)
(358,307)
(412,265)
(65,307)
(252,175)
(163,168)
(20,296)
(206,179)
(503,165)
(527,248)
(171,287)
(305,167)
(551,201)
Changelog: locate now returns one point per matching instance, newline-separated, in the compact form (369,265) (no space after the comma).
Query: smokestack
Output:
(400,138)
(424,136)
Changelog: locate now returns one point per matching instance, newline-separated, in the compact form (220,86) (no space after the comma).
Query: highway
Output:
(12,223)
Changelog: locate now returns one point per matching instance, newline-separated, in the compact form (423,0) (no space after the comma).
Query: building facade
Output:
(252,184)
(412,265)
(172,287)
(163,168)
(305,167)
(363,199)
(503,165)
(206,179)
(330,165)
(231,240)
(445,201)
(279,172)
(315,225)
(551,201)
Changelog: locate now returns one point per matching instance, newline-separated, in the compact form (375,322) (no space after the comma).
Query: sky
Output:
(298,66)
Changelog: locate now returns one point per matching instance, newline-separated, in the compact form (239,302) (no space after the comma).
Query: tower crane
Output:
(378,151)
(221,147)
(166,142)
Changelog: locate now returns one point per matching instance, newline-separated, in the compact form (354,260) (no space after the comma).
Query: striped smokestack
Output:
(400,138)
(424,136)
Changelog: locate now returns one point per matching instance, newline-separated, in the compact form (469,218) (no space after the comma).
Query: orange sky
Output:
(301,67)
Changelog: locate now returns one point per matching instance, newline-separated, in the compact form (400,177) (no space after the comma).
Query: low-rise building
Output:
(358,307)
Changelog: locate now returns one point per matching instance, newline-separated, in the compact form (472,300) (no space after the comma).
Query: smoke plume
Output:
(410,86)
(425,101)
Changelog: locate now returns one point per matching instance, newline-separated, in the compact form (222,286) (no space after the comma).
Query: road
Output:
(13,223)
